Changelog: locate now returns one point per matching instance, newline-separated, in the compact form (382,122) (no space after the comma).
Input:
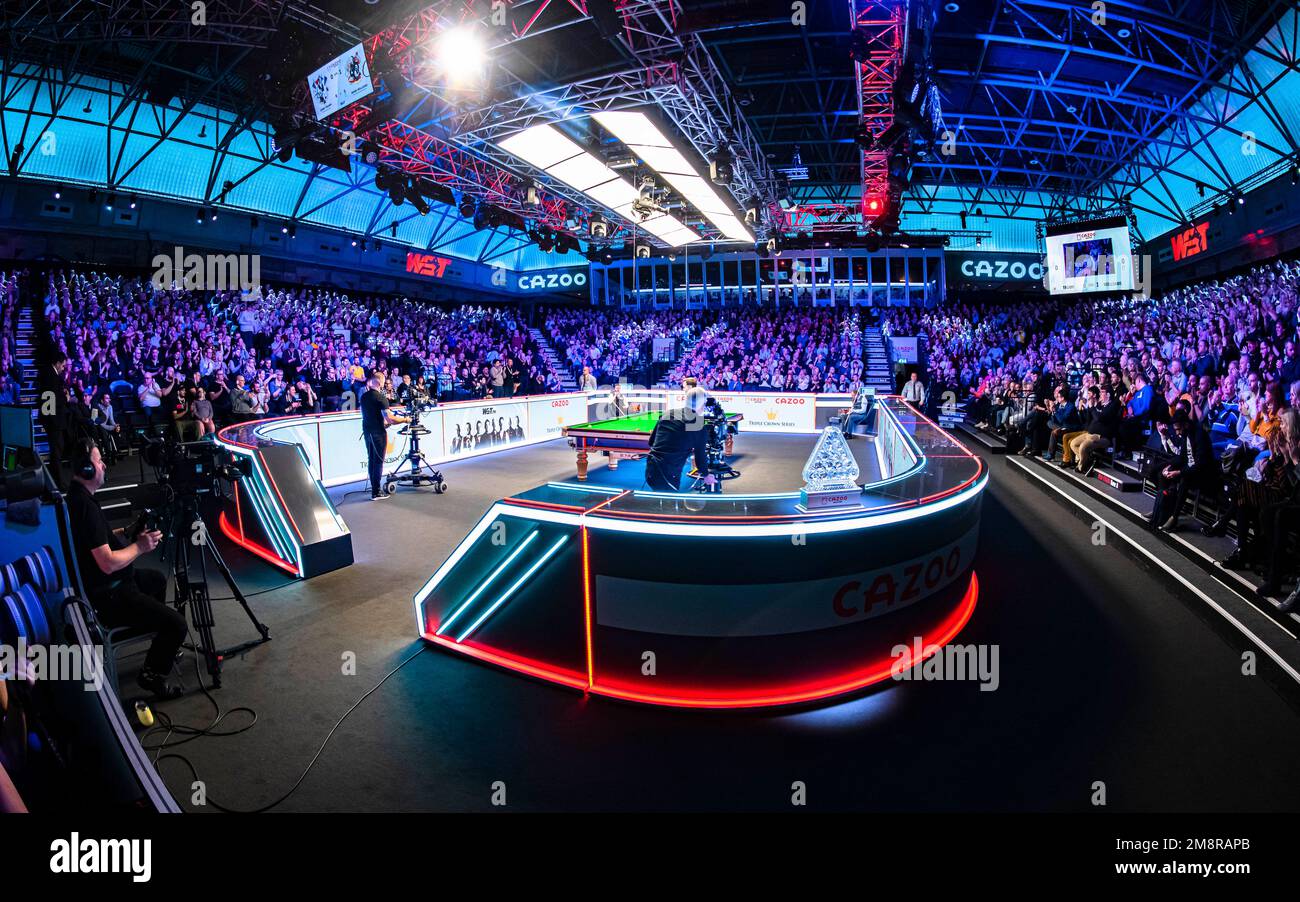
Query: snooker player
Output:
(679,434)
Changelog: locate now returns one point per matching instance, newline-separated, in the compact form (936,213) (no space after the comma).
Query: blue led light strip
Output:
(511,591)
(487,582)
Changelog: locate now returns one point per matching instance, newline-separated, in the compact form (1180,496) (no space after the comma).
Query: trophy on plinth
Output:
(830,475)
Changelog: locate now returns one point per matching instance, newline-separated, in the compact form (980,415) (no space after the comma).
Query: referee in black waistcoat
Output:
(679,434)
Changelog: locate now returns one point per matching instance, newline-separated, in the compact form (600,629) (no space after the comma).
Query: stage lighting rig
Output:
(467,207)
(720,163)
(647,203)
(531,196)
(597,226)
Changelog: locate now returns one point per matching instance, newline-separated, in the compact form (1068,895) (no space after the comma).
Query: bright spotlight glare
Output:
(462,54)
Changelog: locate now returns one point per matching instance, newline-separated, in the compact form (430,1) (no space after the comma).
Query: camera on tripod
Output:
(190,468)
(718,429)
(185,471)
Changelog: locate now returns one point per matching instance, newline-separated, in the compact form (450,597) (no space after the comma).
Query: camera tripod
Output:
(419,471)
(185,529)
(718,467)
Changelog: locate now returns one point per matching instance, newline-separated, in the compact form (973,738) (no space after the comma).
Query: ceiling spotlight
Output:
(466,206)
(978,240)
(1071,108)
(133,201)
(369,152)
(1241,198)
(951,7)
(531,196)
(86,108)
(643,251)
(462,54)
(392,228)
(284,229)
(58,192)
(199,214)
(597,227)
(293,230)
(203,130)
(214,214)
(109,200)
(1123,32)
(354,242)
(720,167)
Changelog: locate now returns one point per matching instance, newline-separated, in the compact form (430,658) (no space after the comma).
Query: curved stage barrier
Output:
(281,512)
(723,600)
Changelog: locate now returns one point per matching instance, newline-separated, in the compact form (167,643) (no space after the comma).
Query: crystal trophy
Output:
(830,475)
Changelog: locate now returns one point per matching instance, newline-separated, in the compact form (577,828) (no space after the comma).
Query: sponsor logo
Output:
(539,281)
(562,403)
(1190,242)
(984,268)
(792,400)
(427,265)
(894,587)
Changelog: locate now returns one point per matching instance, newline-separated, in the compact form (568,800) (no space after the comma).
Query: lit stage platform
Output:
(730,600)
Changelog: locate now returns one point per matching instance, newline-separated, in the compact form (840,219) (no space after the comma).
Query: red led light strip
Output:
(249,545)
(795,693)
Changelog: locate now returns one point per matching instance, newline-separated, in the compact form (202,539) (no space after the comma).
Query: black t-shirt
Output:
(373,405)
(90,530)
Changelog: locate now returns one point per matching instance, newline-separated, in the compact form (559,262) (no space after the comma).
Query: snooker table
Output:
(621,438)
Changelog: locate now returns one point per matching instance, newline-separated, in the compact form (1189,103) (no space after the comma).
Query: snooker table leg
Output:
(582,461)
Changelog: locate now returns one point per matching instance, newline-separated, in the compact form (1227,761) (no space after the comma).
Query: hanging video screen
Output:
(1089,257)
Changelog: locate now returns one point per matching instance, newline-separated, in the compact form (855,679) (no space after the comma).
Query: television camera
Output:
(717,430)
(414,470)
(185,472)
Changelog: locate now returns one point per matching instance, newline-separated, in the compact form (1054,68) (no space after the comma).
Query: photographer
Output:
(375,420)
(121,594)
(679,434)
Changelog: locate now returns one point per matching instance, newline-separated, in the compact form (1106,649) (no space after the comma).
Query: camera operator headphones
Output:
(82,465)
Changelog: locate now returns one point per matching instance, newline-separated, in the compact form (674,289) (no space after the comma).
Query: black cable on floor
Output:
(194,733)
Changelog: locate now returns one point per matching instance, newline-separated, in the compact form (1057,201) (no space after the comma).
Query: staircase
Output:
(25,355)
(879,370)
(553,360)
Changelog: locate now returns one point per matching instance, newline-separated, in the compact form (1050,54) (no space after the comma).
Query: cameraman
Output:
(375,420)
(121,594)
(679,434)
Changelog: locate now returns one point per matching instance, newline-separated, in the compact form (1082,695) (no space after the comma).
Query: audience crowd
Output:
(1200,385)
(275,351)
